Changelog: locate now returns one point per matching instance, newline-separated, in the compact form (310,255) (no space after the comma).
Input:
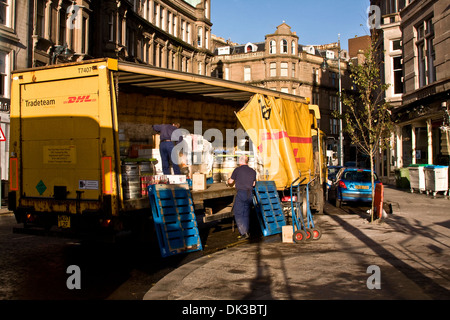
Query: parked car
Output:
(352,184)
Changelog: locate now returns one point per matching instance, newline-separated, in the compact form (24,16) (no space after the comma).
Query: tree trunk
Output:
(372,209)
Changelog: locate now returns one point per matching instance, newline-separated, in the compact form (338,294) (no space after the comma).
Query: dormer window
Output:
(250,47)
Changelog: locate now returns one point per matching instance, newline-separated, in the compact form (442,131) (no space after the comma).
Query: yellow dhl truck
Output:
(66,168)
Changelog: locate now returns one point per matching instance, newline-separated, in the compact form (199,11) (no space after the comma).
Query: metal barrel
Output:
(131,184)
(145,168)
(228,167)
(217,171)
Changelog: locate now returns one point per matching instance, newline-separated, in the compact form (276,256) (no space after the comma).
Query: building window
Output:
(315,98)
(398,74)
(199,68)
(284,69)
(169,22)
(273,47)
(40,18)
(156,14)
(285,90)
(397,45)
(227,73)
(334,126)
(5,13)
(161,17)
(315,75)
(200,37)
(247,74)
(175,23)
(333,103)
(3,74)
(111,27)
(62,26)
(188,33)
(273,69)
(183,30)
(130,42)
(284,46)
(293,47)
(425,53)
(293,70)
(333,79)
(84,32)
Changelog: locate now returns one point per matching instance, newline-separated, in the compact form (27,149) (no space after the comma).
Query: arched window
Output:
(273,47)
(293,47)
(284,46)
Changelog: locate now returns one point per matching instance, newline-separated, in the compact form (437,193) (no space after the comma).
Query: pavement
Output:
(404,256)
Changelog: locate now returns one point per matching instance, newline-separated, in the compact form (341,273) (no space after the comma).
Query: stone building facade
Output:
(415,39)
(14,49)
(280,63)
(172,34)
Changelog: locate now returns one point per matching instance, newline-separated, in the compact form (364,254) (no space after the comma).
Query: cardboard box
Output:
(287,233)
(199,181)
(176,178)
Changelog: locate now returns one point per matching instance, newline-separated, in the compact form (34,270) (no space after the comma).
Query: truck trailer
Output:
(68,155)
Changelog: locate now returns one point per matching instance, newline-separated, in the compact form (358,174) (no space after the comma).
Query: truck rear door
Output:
(66,144)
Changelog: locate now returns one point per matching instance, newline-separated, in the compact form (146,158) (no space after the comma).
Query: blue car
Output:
(353,184)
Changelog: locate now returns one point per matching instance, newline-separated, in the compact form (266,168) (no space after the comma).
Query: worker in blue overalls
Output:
(166,146)
(245,178)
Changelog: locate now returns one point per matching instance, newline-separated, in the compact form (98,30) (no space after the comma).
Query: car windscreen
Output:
(358,176)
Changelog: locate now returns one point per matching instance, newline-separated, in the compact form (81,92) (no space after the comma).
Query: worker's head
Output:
(243,160)
(176,124)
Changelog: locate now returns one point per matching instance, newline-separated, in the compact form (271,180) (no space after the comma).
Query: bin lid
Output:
(418,165)
(435,167)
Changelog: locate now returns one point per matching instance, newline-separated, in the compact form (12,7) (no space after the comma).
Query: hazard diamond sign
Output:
(2,135)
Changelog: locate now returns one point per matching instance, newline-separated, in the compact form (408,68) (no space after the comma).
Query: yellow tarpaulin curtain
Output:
(297,120)
(281,131)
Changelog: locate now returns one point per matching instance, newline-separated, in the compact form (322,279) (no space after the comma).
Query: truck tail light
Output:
(342,184)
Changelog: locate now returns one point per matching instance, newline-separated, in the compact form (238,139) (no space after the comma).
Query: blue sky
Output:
(315,21)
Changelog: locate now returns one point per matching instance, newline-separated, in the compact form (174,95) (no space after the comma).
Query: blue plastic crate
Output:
(268,208)
(174,218)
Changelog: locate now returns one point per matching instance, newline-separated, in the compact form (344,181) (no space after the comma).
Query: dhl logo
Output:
(80,99)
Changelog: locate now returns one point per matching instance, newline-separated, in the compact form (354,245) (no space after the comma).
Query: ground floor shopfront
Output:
(420,136)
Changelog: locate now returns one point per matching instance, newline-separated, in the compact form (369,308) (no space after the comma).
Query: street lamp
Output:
(341,134)
(63,51)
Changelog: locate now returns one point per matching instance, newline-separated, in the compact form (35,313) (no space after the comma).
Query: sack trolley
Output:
(302,231)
